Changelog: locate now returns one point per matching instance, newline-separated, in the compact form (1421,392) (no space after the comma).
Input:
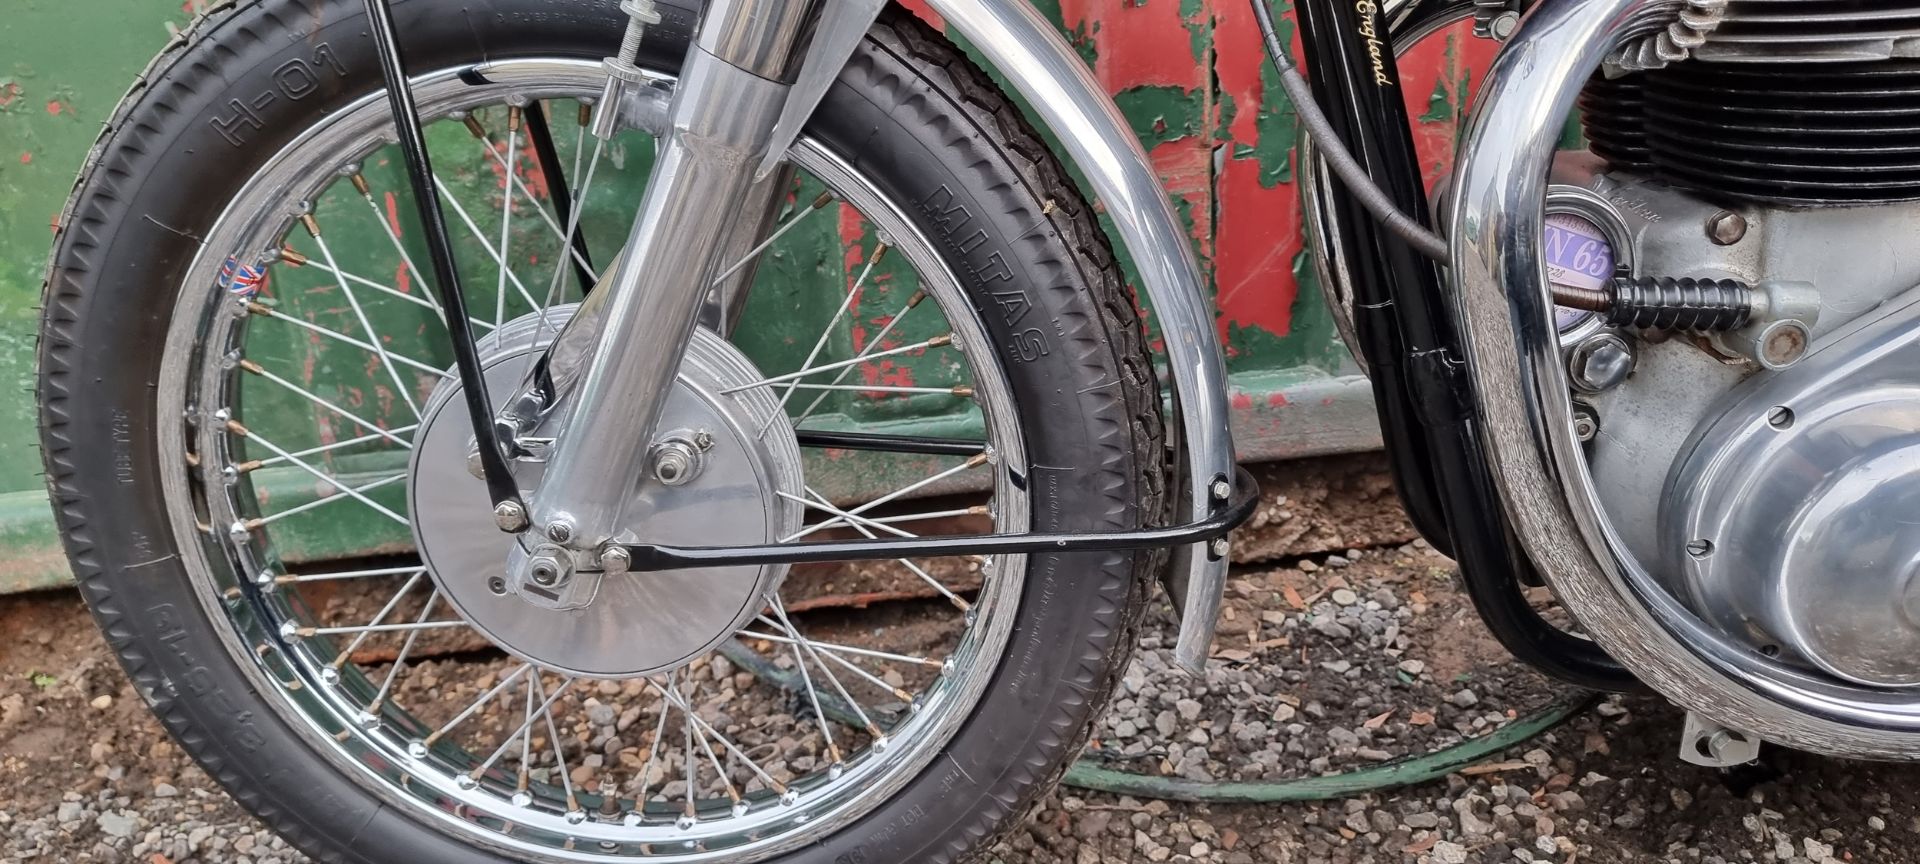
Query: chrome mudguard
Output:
(1026,48)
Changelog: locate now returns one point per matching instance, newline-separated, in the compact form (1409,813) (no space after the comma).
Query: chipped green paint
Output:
(1162,114)
(1279,127)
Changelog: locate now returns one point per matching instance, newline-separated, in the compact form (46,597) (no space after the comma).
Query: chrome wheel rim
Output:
(353,716)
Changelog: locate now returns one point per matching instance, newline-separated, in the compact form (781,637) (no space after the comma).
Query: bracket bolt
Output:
(1222,490)
(615,560)
(509,516)
(544,573)
(560,531)
(1219,547)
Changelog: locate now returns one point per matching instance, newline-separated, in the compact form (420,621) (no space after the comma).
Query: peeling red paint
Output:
(1141,44)
(26,158)
(921,10)
(1278,399)
(9,93)
(1258,233)
(1242,401)
(53,107)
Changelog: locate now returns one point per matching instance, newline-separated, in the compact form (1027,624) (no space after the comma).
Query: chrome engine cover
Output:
(1795,517)
(1685,452)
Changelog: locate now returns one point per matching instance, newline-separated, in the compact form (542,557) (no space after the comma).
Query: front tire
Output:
(910,114)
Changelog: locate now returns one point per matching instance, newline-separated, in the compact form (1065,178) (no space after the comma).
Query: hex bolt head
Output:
(509,516)
(1222,490)
(615,560)
(1219,547)
(1600,363)
(703,441)
(1726,228)
(543,573)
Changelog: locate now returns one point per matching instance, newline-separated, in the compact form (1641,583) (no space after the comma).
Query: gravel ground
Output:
(1333,661)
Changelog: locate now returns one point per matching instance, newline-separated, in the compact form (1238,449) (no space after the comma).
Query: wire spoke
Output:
(353,301)
(677,701)
(820,344)
(486,143)
(481,237)
(369,629)
(780,611)
(321,502)
(935,342)
(506,213)
(277,315)
(873,344)
(653,750)
(838,648)
(909,489)
(329,479)
(346,574)
(553,737)
(818,203)
(813,696)
(478,704)
(257,464)
(340,659)
(573,222)
(301,261)
(393,235)
(859,524)
(406,648)
(310,396)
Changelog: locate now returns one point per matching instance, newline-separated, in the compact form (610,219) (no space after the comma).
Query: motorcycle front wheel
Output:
(216,438)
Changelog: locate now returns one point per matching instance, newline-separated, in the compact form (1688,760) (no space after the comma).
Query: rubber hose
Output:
(1405,771)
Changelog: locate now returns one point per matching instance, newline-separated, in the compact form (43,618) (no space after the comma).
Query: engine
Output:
(1770,474)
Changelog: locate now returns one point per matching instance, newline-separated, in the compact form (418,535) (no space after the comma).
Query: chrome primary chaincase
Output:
(1624,589)
(1796,515)
(737,484)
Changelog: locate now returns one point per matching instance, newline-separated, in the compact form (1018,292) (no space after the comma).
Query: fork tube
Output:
(731,90)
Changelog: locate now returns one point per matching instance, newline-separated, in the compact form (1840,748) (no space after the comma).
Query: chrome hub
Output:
(561,608)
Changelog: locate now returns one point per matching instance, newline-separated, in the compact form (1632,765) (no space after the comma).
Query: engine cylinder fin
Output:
(1844,133)
(1804,31)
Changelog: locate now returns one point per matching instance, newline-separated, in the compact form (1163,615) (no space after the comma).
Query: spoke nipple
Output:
(633,818)
(822,201)
(331,676)
(522,799)
(513,118)
(230,475)
(576,815)
(292,257)
(963,391)
(788,797)
(248,466)
(313,227)
(838,767)
(249,366)
(916,298)
(585,116)
(978,459)
(879,254)
(193,459)
(360,185)
(258,308)
(473,125)
(289,630)
(739,808)
(942,339)
(239,531)
(685,822)
(237,429)
(466,781)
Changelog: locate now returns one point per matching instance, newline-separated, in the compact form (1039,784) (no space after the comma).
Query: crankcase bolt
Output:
(1726,228)
(1600,363)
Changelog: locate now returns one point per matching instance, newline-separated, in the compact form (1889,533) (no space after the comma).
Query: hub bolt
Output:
(676,461)
(509,516)
(497,585)
(560,531)
(615,560)
(543,573)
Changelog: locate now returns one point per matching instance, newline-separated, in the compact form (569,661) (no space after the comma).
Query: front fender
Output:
(1025,47)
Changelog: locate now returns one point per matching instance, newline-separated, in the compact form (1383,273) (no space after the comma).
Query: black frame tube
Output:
(413,149)
(1405,327)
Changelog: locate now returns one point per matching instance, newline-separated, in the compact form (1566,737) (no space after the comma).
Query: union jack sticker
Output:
(240,279)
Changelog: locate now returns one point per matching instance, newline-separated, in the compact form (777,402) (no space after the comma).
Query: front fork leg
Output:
(720,124)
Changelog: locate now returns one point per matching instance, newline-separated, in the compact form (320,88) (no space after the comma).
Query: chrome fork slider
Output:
(1496,228)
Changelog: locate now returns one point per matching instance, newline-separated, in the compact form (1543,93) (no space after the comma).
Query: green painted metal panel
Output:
(1187,73)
